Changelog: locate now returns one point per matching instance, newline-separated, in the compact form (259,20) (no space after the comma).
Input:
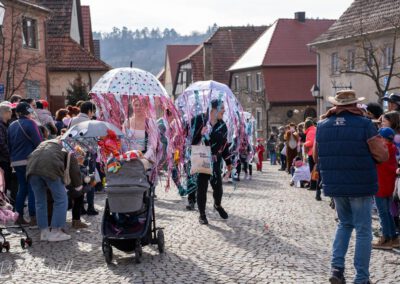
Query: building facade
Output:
(273,78)
(23,50)
(359,46)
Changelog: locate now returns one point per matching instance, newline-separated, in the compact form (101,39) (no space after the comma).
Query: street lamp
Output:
(2,12)
(315,92)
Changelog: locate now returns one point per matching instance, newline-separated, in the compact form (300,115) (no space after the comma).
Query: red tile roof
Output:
(174,54)
(289,84)
(228,44)
(64,54)
(59,24)
(289,42)
(87,29)
(363,16)
(283,44)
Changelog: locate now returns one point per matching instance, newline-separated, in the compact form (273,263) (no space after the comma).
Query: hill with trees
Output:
(145,48)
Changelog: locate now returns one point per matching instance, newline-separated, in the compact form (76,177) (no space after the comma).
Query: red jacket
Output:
(310,138)
(387,173)
(260,149)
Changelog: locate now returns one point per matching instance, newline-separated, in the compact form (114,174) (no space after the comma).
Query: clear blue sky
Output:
(196,15)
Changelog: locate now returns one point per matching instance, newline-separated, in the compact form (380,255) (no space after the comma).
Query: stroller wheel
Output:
(108,254)
(22,243)
(6,246)
(138,252)
(160,240)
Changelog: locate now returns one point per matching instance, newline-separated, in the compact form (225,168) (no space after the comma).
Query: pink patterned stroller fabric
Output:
(6,213)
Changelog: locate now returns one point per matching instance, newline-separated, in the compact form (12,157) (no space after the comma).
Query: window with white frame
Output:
(236,83)
(259,118)
(29,33)
(351,59)
(388,57)
(335,63)
(258,81)
(248,82)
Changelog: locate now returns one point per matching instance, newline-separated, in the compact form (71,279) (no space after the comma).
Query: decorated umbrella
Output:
(91,129)
(120,92)
(197,97)
(196,100)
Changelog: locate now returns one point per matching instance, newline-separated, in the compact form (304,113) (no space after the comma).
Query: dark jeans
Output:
(386,219)
(283,162)
(76,204)
(24,190)
(90,197)
(202,186)
(272,157)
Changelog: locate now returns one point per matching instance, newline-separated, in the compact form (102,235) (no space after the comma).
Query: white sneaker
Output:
(56,235)
(44,235)
(246,176)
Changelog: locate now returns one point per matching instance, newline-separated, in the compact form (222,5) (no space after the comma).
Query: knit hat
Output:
(387,133)
(24,109)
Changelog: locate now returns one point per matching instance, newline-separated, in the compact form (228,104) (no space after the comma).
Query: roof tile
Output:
(65,54)
(363,16)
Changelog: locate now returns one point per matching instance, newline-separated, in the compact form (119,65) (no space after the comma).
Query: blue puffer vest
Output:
(345,162)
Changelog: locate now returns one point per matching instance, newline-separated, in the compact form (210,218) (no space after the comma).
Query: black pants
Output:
(247,167)
(311,163)
(202,186)
(283,162)
(76,204)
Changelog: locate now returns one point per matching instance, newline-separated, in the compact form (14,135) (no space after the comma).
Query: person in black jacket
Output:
(215,136)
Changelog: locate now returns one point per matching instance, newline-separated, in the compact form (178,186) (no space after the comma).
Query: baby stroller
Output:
(7,215)
(129,221)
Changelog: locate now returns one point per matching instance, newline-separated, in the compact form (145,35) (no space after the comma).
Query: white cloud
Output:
(186,16)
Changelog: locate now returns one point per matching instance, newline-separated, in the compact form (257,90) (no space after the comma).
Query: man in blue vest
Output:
(347,148)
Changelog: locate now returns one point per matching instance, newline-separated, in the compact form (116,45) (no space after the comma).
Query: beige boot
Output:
(78,224)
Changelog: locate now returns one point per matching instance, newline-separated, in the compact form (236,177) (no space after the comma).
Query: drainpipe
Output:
(319,102)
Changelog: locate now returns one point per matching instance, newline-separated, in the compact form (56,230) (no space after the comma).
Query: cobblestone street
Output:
(274,234)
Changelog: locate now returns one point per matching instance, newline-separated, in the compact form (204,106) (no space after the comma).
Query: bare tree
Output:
(373,58)
(14,66)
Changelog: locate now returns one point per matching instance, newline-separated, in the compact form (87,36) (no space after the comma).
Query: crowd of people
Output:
(33,161)
(351,154)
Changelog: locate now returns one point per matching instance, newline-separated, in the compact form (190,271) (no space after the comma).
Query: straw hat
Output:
(345,97)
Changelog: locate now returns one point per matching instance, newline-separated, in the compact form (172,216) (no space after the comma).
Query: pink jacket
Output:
(310,138)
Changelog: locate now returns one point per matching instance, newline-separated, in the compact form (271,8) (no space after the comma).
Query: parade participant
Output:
(45,170)
(347,145)
(23,137)
(292,140)
(136,130)
(216,137)
(260,149)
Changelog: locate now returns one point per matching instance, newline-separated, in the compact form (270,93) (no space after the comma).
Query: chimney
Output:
(207,61)
(300,16)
